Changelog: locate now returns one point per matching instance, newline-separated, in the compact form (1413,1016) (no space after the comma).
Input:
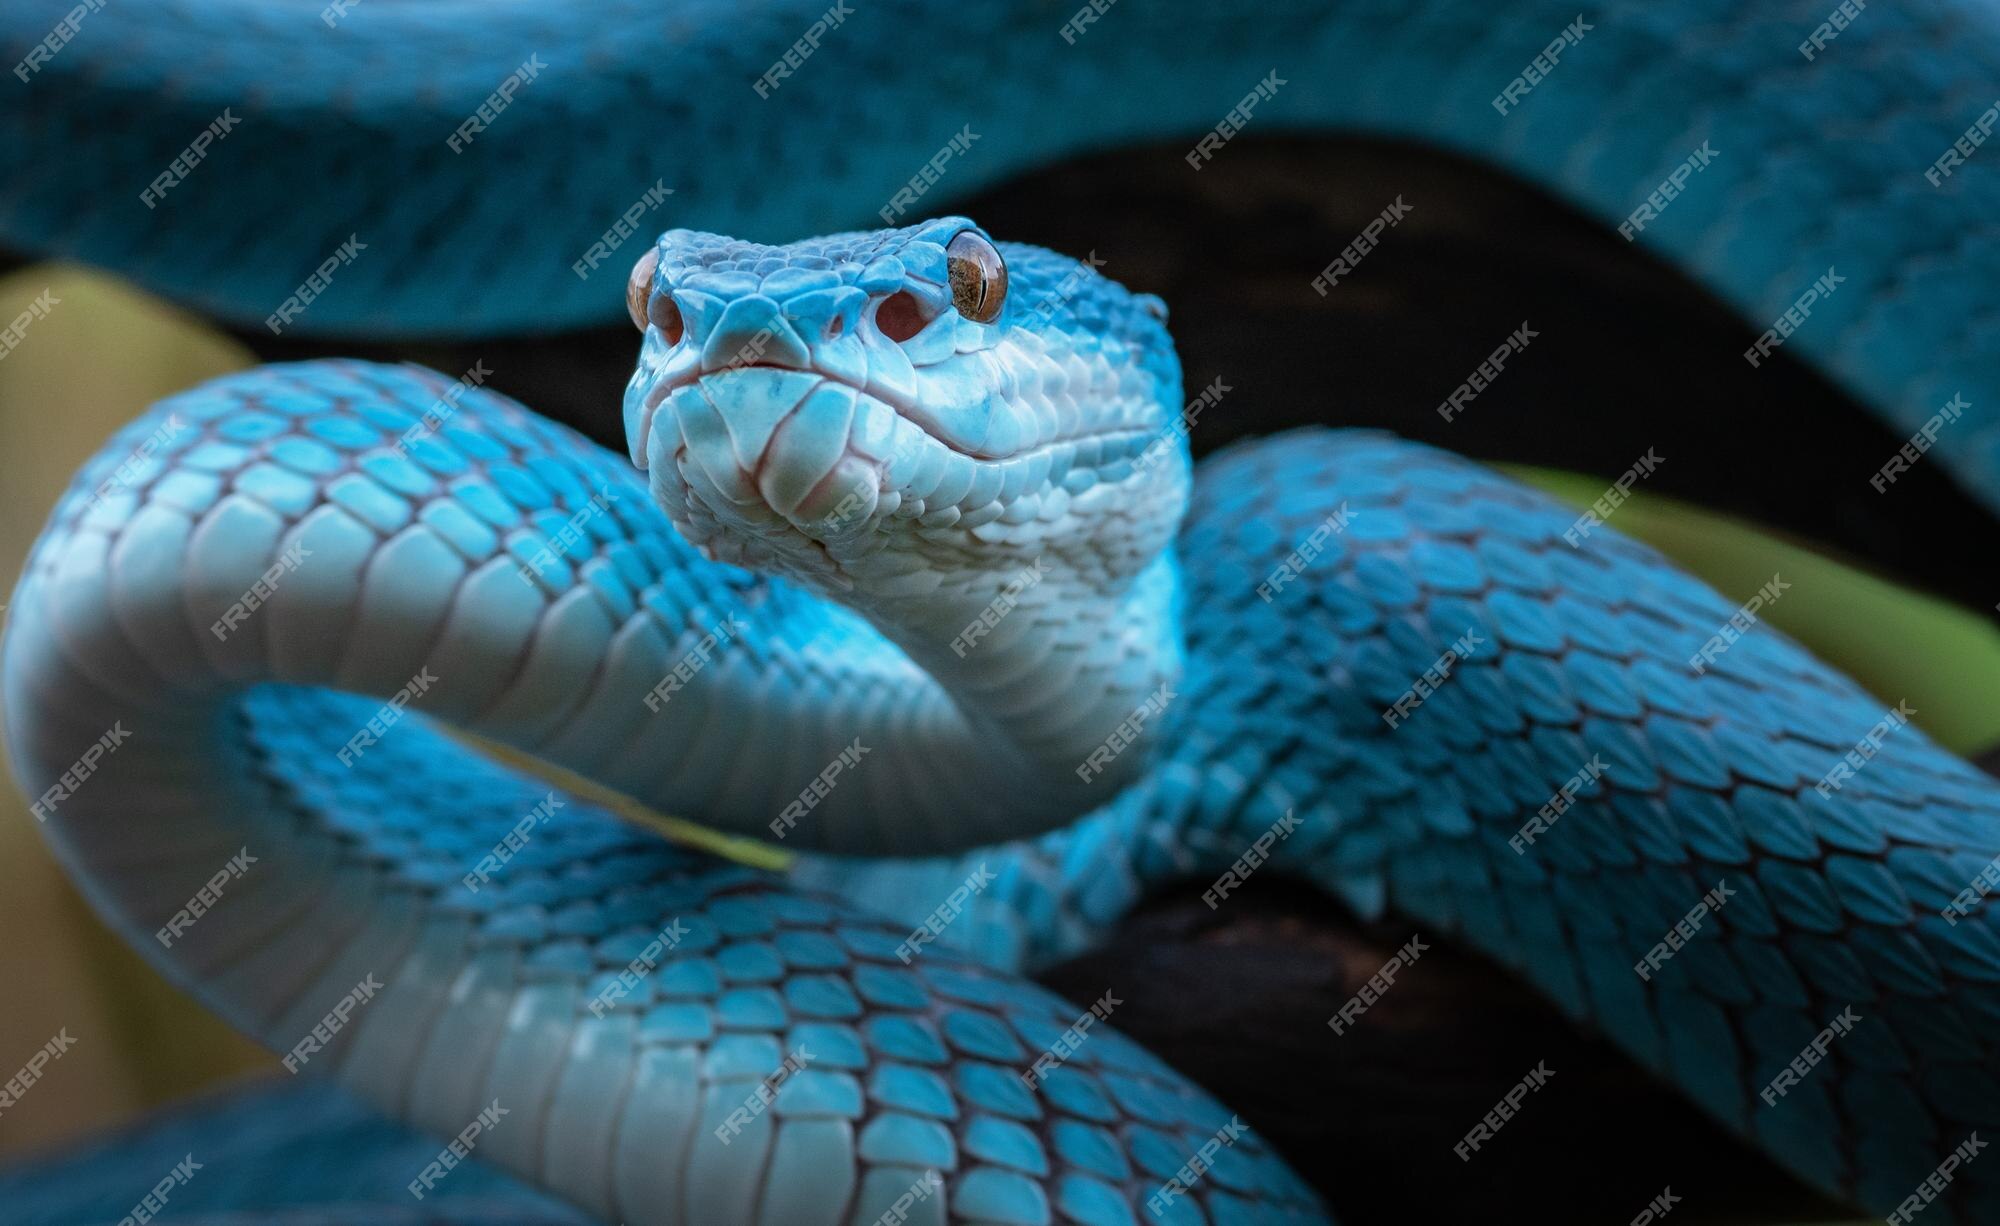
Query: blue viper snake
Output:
(908,569)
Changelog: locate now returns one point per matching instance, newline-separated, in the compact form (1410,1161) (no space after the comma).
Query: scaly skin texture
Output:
(414,567)
(523,578)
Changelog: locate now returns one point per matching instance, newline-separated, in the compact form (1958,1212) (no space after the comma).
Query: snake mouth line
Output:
(904,407)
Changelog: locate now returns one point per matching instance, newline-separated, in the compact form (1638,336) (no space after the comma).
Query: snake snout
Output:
(750,331)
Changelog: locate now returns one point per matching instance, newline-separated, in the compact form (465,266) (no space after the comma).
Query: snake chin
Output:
(782,471)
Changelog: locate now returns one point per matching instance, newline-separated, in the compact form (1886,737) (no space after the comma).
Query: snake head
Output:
(877,411)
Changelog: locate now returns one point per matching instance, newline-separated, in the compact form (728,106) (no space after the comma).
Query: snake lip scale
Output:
(1009,671)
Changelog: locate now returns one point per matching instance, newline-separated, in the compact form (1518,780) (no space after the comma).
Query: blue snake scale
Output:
(679,1038)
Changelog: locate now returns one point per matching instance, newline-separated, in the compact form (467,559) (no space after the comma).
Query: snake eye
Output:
(978,277)
(640,287)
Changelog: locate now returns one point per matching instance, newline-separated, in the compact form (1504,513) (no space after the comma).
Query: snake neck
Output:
(1002,708)
(1061,678)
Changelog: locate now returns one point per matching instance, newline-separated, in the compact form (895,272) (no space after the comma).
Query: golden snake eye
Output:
(978,277)
(640,287)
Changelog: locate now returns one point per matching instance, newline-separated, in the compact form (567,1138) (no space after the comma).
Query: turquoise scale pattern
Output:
(909,1068)
(1709,779)
(1712,779)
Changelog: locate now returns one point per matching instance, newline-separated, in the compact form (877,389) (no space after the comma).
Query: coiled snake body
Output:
(961,587)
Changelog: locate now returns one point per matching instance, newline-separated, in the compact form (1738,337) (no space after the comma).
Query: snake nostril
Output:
(667,318)
(900,316)
(834,327)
